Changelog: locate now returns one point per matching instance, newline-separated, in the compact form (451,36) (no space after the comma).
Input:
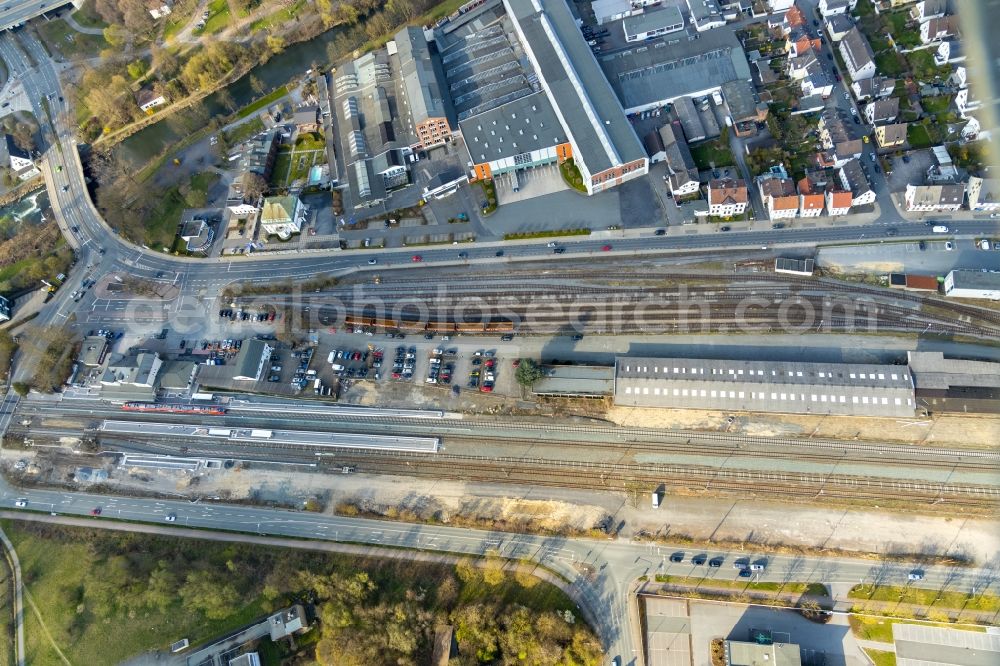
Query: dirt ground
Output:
(981,430)
(757,523)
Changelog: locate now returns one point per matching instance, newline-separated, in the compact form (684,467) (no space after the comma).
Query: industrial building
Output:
(955,385)
(676,66)
(794,266)
(575,381)
(652,23)
(764,653)
(765,386)
(251,360)
(604,146)
(923,645)
(973,284)
(389,103)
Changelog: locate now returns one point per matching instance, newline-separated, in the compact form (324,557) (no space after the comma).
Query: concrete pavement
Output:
(15,566)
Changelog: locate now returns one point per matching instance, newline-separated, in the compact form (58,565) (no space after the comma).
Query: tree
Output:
(213,596)
(21,388)
(275,43)
(254,186)
(116,35)
(528,372)
(257,85)
(137,69)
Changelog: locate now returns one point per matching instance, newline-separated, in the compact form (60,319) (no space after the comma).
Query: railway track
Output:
(613,476)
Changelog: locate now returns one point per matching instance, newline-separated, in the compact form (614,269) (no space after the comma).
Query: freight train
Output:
(431,326)
(208,410)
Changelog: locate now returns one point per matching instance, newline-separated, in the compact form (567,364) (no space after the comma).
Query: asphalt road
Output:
(16,12)
(601,571)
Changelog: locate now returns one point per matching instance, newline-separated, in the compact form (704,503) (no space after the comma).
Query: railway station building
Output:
(848,389)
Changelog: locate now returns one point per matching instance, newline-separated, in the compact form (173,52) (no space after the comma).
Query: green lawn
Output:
(282,165)
(712,154)
(86,17)
(310,141)
(571,175)
(279,17)
(873,628)
(936,105)
(244,131)
(792,588)
(262,102)
(913,595)
(923,67)
(889,63)
(881,657)
(918,136)
(218,17)
(70,43)
(161,227)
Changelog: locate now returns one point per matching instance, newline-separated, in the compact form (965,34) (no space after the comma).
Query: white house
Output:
(838,202)
(282,216)
(937,29)
(925,10)
(984,194)
(838,26)
(727,197)
(829,8)
(775,6)
(858,55)
(881,110)
(19,160)
(934,197)
(777,191)
(852,178)
(149,100)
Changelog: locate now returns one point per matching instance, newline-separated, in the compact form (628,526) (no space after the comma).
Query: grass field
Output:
(218,18)
(88,19)
(279,17)
(934,598)
(791,588)
(712,154)
(91,588)
(881,657)
(262,102)
(918,136)
(936,105)
(244,131)
(879,629)
(70,43)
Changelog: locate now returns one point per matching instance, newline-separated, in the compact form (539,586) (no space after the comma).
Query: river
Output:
(296,59)
(27,210)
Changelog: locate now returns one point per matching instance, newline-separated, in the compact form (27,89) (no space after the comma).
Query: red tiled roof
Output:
(795,17)
(785,203)
(812,201)
(841,199)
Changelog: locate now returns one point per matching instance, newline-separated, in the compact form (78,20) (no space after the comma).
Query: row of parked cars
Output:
(243,315)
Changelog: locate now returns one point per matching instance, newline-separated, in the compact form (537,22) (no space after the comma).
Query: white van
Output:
(939,229)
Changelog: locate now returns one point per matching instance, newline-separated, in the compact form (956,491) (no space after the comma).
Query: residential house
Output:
(811,199)
(800,41)
(705,14)
(148,99)
(17,159)
(682,172)
(836,135)
(828,8)
(775,6)
(858,55)
(777,192)
(793,19)
(727,197)
(306,119)
(984,194)
(874,88)
(282,216)
(197,234)
(881,111)
(838,202)
(838,26)
(816,80)
(934,197)
(938,28)
(890,136)
(852,178)
(158,9)
(925,10)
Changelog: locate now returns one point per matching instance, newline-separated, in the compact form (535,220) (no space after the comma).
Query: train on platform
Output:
(161,408)
(431,326)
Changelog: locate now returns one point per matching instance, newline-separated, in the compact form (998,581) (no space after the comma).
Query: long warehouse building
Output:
(765,386)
